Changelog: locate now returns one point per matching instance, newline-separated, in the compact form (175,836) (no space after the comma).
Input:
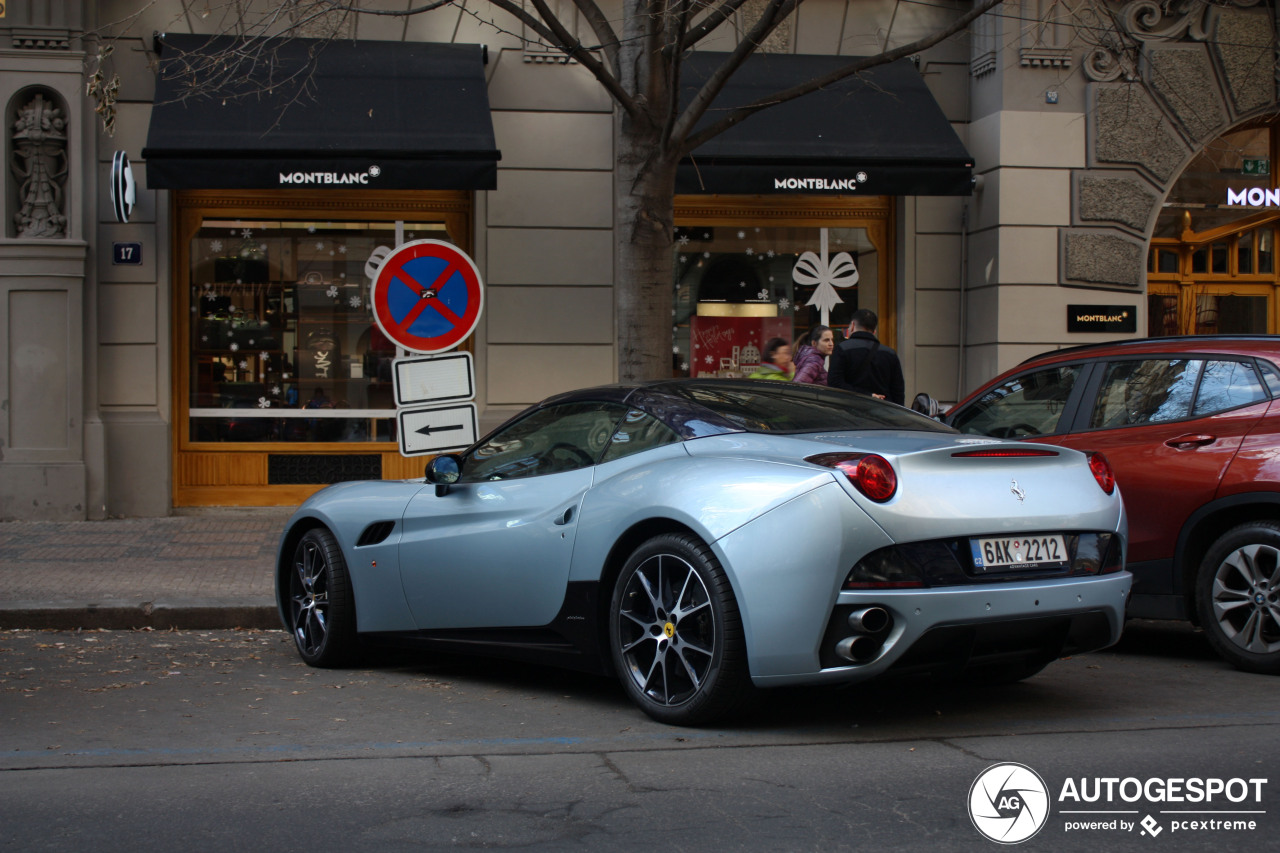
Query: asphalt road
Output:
(225,741)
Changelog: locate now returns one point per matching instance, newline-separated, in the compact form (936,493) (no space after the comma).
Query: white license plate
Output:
(1019,552)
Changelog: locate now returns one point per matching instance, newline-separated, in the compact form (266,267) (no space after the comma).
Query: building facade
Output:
(1049,177)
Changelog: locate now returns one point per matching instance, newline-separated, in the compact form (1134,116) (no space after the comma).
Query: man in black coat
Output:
(865,365)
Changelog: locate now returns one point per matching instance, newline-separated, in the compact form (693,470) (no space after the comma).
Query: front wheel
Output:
(675,633)
(1238,596)
(321,607)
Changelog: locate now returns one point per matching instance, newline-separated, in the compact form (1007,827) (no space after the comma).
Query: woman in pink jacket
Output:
(811,353)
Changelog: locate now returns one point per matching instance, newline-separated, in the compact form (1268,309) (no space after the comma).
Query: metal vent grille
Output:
(290,469)
(375,533)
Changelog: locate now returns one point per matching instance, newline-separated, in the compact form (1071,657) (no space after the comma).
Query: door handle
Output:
(567,517)
(1190,440)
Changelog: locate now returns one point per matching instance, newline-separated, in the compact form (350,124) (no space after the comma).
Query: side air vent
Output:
(375,533)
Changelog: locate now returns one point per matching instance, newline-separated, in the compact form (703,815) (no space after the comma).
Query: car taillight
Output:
(870,474)
(1102,472)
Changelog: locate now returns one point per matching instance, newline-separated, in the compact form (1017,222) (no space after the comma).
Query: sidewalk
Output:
(203,569)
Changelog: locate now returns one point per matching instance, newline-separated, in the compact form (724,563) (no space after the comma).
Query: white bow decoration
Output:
(839,271)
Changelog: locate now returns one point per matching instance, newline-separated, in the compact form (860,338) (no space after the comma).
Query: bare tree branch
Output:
(724,12)
(570,46)
(602,28)
(692,141)
(775,13)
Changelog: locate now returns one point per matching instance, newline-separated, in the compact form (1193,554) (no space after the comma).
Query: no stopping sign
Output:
(427,296)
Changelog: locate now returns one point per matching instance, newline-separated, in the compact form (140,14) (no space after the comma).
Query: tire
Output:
(322,615)
(1238,596)
(675,633)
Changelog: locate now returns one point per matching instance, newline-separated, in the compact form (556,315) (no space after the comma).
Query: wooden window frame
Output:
(235,474)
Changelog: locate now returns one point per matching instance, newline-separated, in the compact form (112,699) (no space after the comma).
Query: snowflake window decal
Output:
(246,233)
(215,245)
(355,302)
(234,346)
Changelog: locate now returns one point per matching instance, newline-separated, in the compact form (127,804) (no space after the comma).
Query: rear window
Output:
(778,407)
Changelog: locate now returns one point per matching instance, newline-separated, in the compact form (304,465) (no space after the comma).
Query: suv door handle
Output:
(1190,440)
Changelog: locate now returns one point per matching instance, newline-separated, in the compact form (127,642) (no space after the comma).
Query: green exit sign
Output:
(1256,166)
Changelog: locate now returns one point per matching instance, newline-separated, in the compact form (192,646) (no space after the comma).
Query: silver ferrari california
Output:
(699,538)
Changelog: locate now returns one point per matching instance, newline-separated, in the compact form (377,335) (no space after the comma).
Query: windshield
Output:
(779,407)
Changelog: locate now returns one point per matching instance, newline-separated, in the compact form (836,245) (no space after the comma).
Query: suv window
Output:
(1145,391)
(1026,404)
(1271,376)
(1226,385)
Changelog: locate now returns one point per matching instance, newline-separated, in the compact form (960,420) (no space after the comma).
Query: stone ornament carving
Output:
(1120,38)
(1046,40)
(39,163)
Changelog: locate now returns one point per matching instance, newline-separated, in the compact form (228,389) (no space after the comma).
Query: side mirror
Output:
(443,472)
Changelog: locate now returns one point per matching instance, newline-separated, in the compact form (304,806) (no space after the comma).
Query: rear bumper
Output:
(951,628)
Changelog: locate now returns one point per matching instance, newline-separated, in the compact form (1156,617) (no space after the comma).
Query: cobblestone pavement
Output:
(207,559)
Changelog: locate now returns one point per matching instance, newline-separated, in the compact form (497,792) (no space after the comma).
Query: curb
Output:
(123,615)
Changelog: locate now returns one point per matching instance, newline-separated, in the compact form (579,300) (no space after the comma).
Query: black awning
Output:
(313,113)
(879,132)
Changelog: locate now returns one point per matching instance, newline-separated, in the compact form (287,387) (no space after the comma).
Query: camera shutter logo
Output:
(1008,803)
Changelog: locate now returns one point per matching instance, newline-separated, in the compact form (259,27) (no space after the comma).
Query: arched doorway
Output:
(1211,265)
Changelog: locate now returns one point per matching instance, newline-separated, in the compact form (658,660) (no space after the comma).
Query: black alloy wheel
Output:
(676,635)
(321,606)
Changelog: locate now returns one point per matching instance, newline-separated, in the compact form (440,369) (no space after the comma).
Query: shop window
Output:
(284,348)
(1200,261)
(1162,315)
(1231,315)
(1218,254)
(1244,253)
(738,286)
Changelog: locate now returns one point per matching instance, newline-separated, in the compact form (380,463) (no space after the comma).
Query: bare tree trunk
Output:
(645,189)
(644,181)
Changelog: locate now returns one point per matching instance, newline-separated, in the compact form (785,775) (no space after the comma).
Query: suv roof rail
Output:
(1137,341)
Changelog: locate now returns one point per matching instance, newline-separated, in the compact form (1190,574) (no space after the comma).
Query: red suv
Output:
(1191,426)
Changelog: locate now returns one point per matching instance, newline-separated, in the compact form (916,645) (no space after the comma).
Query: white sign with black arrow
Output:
(436,429)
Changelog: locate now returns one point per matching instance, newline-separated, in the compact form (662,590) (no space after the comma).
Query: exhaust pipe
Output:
(857,649)
(869,620)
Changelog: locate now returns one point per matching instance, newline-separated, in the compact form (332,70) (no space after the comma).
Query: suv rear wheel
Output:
(1238,596)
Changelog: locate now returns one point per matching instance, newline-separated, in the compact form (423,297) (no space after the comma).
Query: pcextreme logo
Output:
(1009,803)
